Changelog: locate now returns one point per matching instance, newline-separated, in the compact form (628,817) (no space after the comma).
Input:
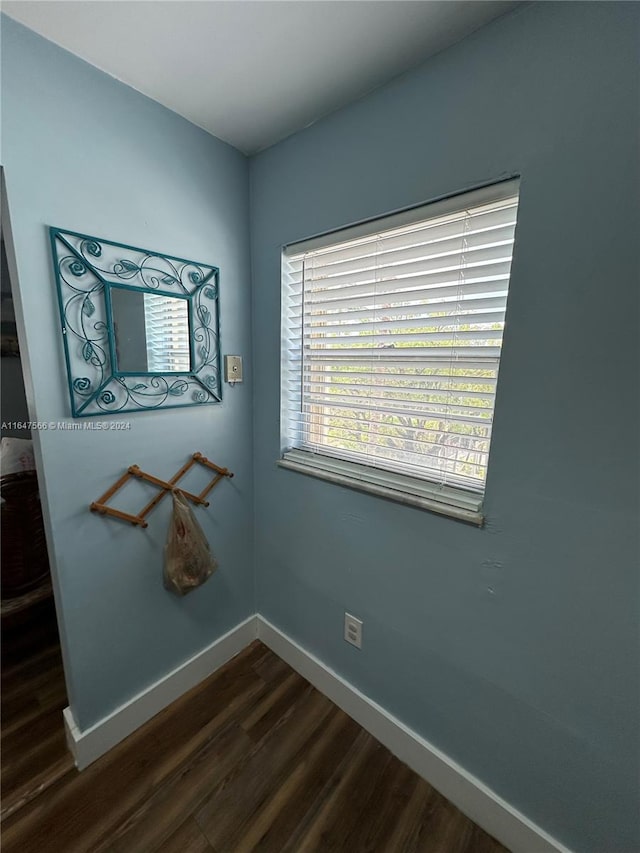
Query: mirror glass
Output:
(151,332)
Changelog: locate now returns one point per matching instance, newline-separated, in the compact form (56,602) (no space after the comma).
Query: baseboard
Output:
(88,745)
(469,794)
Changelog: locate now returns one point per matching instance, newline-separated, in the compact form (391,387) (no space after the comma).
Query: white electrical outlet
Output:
(353,630)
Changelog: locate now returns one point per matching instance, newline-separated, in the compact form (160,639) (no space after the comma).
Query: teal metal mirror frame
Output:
(86,268)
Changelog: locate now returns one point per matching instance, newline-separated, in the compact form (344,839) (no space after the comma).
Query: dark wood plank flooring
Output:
(33,748)
(252,759)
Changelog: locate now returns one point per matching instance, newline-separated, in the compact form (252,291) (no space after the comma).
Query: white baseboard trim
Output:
(88,745)
(469,794)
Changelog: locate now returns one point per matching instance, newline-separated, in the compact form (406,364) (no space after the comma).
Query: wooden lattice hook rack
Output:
(165,486)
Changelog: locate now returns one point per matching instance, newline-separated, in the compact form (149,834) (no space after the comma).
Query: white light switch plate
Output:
(233,368)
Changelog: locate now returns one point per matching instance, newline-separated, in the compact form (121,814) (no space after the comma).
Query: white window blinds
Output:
(166,323)
(392,334)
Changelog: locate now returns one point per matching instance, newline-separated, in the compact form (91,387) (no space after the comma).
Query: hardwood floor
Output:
(252,759)
(34,751)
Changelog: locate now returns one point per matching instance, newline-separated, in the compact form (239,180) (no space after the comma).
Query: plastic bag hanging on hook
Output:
(188,560)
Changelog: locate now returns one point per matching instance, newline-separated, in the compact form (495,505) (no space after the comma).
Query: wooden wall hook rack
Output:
(166,486)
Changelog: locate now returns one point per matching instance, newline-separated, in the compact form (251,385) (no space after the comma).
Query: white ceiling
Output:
(252,72)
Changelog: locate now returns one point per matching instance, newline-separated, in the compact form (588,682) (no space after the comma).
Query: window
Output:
(392,333)
(167,329)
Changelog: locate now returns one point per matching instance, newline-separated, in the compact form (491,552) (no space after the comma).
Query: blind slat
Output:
(410,272)
(420,308)
(422,243)
(403,355)
(429,340)
(369,388)
(411,289)
(401,260)
(355,325)
(413,433)
(377,439)
(350,413)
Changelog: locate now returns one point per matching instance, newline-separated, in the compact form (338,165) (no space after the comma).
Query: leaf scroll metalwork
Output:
(86,270)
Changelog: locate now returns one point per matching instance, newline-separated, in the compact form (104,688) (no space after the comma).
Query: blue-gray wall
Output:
(514,648)
(83,152)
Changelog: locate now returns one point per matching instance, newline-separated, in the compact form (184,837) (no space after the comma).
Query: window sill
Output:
(443,500)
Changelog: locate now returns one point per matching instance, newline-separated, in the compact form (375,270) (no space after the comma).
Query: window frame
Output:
(418,491)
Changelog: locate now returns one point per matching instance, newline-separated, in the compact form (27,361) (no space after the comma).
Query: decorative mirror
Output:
(141,330)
